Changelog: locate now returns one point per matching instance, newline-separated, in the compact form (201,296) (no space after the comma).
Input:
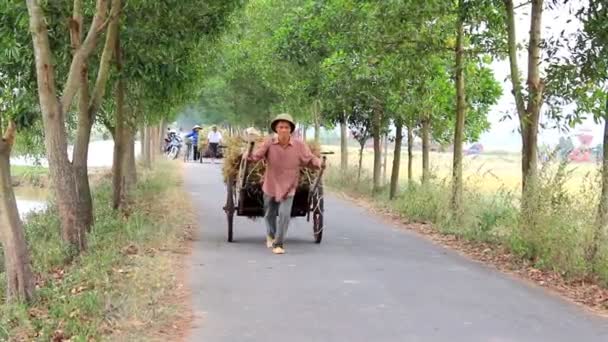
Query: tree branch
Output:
(106,57)
(108,124)
(512,46)
(82,54)
(9,137)
(535,85)
(76,25)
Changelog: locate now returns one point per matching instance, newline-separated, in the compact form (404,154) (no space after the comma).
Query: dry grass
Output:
(237,147)
(155,306)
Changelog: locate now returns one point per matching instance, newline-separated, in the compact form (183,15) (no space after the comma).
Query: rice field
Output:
(488,172)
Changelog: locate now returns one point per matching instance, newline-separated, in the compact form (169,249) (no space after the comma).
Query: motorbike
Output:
(174,146)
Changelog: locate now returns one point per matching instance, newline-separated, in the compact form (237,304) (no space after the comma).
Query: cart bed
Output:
(251,202)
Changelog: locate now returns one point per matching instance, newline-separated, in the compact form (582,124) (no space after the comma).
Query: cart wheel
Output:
(229,208)
(317,216)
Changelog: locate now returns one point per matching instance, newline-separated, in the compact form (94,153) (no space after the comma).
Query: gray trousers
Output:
(282,209)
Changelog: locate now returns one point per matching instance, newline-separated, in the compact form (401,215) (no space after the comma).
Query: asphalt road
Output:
(367,281)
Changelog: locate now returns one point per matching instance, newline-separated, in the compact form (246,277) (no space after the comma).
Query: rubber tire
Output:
(230,209)
(317,217)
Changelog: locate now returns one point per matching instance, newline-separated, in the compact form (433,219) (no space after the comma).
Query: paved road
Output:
(367,281)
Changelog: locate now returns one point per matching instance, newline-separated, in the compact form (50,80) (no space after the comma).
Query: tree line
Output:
(418,68)
(66,65)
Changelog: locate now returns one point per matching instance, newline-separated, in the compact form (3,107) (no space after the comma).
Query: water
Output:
(30,200)
(27,206)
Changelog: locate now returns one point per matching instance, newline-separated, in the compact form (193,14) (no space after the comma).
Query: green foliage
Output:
(18,101)
(348,56)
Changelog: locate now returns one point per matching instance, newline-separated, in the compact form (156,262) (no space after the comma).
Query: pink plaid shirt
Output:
(283,165)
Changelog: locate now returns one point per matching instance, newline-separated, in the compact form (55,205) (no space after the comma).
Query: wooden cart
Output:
(247,200)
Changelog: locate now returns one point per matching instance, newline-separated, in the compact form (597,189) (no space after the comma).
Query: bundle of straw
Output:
(237,146)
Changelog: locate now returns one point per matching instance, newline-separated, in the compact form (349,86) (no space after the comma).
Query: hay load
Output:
(237,146)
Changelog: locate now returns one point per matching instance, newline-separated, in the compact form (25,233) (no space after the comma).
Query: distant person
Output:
(214,138)
(194,137)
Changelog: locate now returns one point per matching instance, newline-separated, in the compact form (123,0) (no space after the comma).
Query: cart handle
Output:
(317,181)
(249,151)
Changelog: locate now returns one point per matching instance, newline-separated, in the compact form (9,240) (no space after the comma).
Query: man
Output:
(284,157)
(214,138)
(194,137)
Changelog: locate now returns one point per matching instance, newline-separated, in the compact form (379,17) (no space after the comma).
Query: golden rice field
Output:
(487,172)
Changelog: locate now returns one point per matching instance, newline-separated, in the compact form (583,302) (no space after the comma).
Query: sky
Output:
(504,135)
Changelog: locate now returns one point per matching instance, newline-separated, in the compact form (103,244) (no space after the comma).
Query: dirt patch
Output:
(163,313)
(179,327)
(587,293)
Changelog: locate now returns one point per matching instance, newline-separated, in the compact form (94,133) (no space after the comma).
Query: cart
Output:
(245,199)
(206,152)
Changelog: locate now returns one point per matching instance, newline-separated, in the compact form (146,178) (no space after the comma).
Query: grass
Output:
(32,176)
(121,288)
(554,237)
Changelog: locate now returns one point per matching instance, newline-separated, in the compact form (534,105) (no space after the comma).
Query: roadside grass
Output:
(556,239)
(127,285)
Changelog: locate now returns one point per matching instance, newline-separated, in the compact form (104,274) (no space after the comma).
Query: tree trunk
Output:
(535,95)
(396,159)
(343,144)
(376,122)
(317,120)
(161,132)
(151,141)
(426,172)
(83,131)
(158,142)
(19,278)
(130,166)
(360,163)
(120,136)
(55,137)
(385,160)
(81,154)
(601,226)
(410,154)
(304,129)
(141,140)
(460,116)
(145,142)
(528,116)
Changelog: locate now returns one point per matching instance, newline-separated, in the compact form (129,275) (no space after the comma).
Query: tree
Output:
(18,114)
(582,79)
(478,28)
(54,111)
(151,80)
(88,105)
(360,125)
(20,283)
(528,107)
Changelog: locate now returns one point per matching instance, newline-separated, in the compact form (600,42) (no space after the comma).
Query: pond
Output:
(30,200)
